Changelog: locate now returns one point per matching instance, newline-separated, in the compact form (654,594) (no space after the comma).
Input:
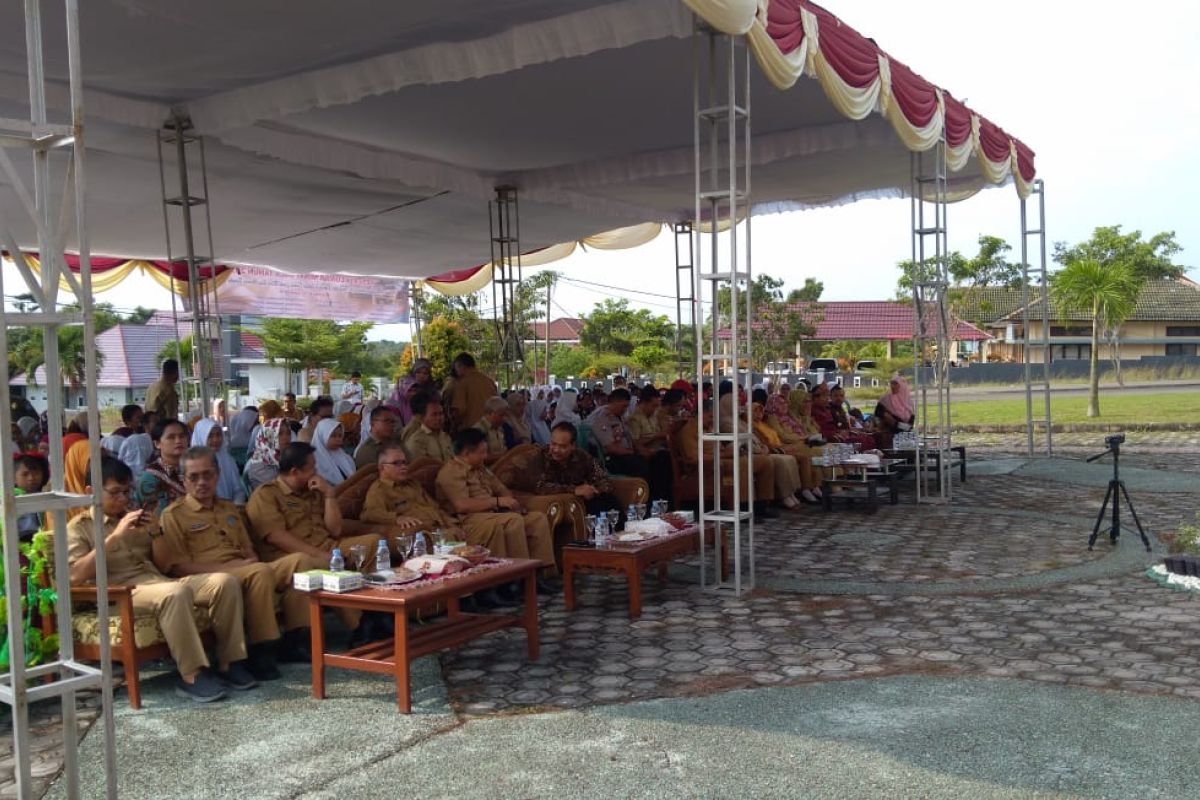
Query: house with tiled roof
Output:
(1165,322)
(888,321)
(129,365)
(564,330)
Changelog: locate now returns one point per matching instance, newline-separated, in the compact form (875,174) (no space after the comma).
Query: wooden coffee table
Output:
(392,656)
(630,558)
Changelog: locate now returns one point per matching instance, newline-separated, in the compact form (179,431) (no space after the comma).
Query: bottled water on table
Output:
(336,562)
(601,530)
(419,546)
(383,558)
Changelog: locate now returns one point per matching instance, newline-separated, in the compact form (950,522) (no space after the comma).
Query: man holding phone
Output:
(129,540)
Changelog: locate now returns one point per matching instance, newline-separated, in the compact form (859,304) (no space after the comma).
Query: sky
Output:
(1103,92)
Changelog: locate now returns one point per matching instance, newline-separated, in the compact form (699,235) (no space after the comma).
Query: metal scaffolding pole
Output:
(205,379)
(416,301)
(53,147)
(685,296)
(932,325)
(721,136)
(1039,384)
(504,226)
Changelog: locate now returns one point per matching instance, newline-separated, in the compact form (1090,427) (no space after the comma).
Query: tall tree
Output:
(312,344)
(1145,258)
(614,327)
(441,340)
(1108,292)
(780,321)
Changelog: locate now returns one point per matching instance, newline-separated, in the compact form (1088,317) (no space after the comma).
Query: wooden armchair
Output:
(147,642)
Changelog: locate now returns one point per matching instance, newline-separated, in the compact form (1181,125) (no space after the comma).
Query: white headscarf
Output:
(111,444)
(135,451)
(332,465)
(241,428)
(535,414)
(364,427)
(565,411)
(229,482)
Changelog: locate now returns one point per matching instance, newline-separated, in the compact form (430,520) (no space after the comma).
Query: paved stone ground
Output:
(999,584)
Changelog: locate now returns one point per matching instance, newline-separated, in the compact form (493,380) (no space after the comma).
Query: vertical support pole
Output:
(685,296)
(721,134)
(1040,383)
(504,228)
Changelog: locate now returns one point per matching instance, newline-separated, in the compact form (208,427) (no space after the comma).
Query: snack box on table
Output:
(328,580)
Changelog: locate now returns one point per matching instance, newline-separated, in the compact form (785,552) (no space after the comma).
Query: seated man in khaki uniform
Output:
(487,510)
(400,503)
(495,410)
(297,514)
(129,539)
(425,438)
(381,433)
(204,534)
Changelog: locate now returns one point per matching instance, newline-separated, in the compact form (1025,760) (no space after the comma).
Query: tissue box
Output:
(342,581)
(307,581)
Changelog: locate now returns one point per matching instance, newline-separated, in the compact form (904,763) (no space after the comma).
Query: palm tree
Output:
(1108,291)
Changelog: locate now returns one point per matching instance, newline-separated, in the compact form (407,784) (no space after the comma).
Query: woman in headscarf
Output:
(229,480)
(565,412)
(77,431)
(418,379)
(535,417)
(364,422)
(111,444)
(161,483)
(135,451)
(516,427)
(241,433)
(787,466)
(263,466)
(333,463)
(792,437)
(218,411)
(75,472)
(894,412)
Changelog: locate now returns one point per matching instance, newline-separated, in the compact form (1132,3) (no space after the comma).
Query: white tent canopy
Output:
(400,119)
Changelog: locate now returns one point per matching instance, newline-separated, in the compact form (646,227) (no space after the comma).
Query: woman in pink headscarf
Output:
(894,412)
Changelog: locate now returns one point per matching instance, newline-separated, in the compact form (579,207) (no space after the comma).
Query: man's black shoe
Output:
(296,647)
(511,592)
(546,586)
(238,676)
(488,599)
(205,688)
(261,661)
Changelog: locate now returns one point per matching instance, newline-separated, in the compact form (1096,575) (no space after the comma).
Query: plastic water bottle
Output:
(419,546)
(383,557)
(336,562)
(601,530)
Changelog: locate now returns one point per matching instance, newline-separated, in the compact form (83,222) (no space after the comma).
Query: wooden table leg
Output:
(893,490)
(662,573)
(400,656)
(568,583)
(530,616)
(634,575)
(827,496)
(452,609)
(318,647)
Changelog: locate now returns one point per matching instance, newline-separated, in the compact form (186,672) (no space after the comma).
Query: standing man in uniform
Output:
(487,510)
(205,534)
(427,439)
(161,396)
(130,537)
(466,393)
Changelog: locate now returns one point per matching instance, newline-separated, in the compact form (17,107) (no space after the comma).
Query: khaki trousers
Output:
(294,603)
(787,475)
(368,540)
(171,603)
(511,535)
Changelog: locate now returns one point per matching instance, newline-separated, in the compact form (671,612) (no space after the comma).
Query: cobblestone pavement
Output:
(1110,629)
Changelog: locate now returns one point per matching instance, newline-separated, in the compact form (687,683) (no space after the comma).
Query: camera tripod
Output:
(1116,490)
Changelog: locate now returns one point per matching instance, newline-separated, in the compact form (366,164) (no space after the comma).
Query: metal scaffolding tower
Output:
(504,225)
(178,143)
(932,325)
(57,152)
(1038,383)
(685,296)
(416,303)
(721,137)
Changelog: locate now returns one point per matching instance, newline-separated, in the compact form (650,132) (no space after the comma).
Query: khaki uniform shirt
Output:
(429,444)
(466,395)
(458,481)
(495,436)
(205,535)
(387,500)
(274,506)
(162,398)
(368,452)
(129,560)
(642,426)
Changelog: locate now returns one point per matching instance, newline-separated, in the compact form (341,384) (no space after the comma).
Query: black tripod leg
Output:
(1100,517)
(1136,521)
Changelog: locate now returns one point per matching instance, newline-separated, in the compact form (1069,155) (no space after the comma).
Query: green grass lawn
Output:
(1114,408)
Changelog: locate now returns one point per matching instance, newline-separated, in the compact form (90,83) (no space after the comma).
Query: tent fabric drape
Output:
(794,37)
(108,272)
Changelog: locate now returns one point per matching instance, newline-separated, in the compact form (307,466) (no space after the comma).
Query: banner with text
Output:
(344,298)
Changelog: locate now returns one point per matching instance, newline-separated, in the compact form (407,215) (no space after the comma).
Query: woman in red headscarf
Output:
(894,412)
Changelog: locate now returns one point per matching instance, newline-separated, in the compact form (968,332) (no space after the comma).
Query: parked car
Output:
(821,369)
(864,365)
